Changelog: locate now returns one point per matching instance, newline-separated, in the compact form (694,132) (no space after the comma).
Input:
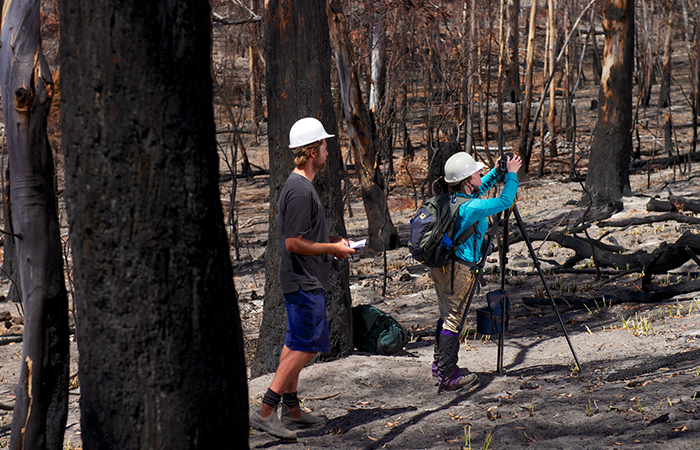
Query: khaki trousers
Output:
(452,303)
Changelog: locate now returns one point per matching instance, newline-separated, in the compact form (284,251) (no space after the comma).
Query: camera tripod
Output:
(503,258)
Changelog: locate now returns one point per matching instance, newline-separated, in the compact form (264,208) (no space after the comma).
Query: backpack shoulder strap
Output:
(460,239)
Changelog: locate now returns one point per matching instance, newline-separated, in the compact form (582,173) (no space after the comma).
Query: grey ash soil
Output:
(640,385)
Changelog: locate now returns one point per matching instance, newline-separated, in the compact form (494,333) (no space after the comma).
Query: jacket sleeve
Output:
(477,209)
(488,180)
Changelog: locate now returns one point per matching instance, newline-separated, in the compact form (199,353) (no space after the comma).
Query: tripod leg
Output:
(536,261)
(503,253)
(499,357)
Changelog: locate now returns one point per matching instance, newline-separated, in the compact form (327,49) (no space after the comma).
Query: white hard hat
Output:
(307,131)
(461,166)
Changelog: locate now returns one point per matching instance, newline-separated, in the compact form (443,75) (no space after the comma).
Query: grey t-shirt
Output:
(300,213)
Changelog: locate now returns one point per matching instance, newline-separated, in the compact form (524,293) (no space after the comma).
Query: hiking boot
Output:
(272,425)
(456,381)
(436,371)
(306,419)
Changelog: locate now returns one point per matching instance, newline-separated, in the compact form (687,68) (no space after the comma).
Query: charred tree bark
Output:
(485,84)
(468,91)
(365,152)
(695,75)
(674,204)
(608,170)
(647,77)
(665,89)
(378,63)
(41,404)
(501,72)
(551,125)
(256,69)
(161,346)
(670,256)
(10,268)
(524,149)
(511,78)
(597,68)
(298,77)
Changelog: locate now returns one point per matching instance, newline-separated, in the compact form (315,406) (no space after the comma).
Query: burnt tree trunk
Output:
(485,84)
(41,404)
(523,148)
(665,88)
(382,231)
(255,64)
(10,269)
(161,346)
(647,61)
(501,72)
(511,77)
(378,63)
(608,170)
(597,68)
(695,79)
(298,77)
(551,126)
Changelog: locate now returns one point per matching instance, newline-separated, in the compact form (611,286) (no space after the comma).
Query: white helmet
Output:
(461,166)
(307,131)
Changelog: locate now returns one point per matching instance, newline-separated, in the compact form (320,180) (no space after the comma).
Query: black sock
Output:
(271,398)
(290,399)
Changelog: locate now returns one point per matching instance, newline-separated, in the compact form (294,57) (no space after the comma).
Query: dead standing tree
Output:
(41,405)
(298,79)
(523,147)
(161,346)
(608,170)
(511,77)
(382,231)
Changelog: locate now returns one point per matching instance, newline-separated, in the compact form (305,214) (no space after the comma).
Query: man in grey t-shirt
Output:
(305,255)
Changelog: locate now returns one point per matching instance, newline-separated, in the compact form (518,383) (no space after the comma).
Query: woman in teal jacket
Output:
(463,175)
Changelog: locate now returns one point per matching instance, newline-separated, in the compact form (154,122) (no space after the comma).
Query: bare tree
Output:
(298,77)
(665,89)
(551,46)
(646,50)
(511,78)
(382,232)
(41,405)
(161,346)
(608,170)
(524,149)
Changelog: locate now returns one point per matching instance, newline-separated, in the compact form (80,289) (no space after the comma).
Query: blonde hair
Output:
(302,154)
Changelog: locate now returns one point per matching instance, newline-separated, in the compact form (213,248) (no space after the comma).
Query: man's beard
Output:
(318,165)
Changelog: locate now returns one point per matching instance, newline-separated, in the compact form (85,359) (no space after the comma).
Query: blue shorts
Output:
(307,326)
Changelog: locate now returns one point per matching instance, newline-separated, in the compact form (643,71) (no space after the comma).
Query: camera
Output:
(502,168)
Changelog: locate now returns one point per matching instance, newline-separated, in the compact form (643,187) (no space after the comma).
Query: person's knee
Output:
(310,355)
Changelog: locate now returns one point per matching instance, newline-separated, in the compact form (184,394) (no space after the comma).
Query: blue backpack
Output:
(432,241)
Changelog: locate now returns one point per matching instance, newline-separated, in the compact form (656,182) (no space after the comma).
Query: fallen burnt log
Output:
(604,255)
(669,161)
(671,216)
(674,204)
(664,258)
(671,256)
(617,296)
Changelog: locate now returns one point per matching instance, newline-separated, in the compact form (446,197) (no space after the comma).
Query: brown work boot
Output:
(306,420)
(271,425)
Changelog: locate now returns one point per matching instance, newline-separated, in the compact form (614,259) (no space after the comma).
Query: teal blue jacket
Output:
(477,210)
